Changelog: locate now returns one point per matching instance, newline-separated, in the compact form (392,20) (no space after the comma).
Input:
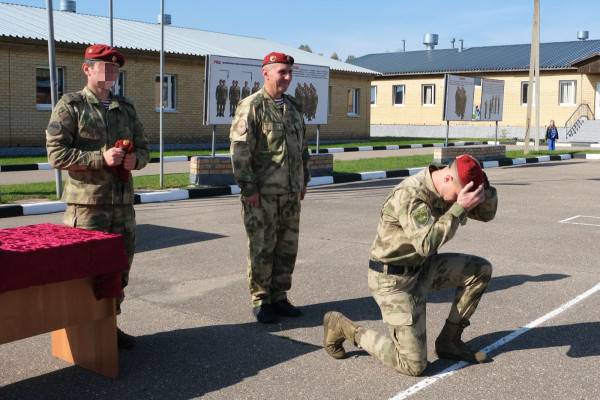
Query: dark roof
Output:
(557,55)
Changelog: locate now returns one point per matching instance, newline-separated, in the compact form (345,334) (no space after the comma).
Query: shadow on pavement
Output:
(497,283)
(155,237)
(189,363)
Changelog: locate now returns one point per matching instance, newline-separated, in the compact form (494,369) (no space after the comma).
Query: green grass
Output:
(382,164)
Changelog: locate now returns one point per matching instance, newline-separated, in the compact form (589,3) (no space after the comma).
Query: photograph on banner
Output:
(492,100)
(230,80)
(458,99)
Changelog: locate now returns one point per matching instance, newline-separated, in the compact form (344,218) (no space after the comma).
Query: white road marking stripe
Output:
(568,219)
(451,370)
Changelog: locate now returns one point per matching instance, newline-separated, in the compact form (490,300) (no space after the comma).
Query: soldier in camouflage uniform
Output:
(269,154)
(82,131)
(418,217)
(245,90)
(234,97)
(255,87)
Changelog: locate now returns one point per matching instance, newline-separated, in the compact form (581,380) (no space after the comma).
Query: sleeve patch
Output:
(422,216)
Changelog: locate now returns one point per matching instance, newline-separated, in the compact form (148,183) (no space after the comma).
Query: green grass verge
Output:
(382,164)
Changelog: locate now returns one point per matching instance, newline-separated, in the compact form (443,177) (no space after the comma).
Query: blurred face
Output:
(451,185)
(277,78)
(101,74)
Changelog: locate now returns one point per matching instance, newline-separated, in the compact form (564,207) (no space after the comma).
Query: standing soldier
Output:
(255,87)
(418,217)
(269,154)
(234,97)
(81,137)
(224,96)
(245,90)
(218,97)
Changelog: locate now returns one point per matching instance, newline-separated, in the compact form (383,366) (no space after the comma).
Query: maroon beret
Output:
(103,52)
(274,58)
(468,169)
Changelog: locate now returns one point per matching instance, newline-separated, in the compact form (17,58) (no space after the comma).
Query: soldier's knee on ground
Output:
(412,368)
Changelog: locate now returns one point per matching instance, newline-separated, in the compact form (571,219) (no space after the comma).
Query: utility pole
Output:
(534,78)
(53,82)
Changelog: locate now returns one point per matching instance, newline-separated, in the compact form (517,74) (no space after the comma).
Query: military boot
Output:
(449,344)
(337,329)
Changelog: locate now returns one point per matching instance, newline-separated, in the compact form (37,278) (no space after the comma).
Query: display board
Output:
(458,98)
(229,80)
(492,100)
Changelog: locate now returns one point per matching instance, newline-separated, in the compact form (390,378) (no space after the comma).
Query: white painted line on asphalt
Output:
(414,171)
(320,180)
(235,189)
(451,370)
(335,150)
(568,220)
(416,146)
(543,158)
(45,207)
(167,195)
(592,156)
(365,176)
(392,147)
(44,166)
(491,164)
(365,148)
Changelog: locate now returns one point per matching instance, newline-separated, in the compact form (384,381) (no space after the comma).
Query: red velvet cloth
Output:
(48,253)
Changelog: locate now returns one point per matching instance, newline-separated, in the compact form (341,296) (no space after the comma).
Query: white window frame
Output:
(394,95)
(523,91)
(61,79)
(572,101)
(171,100)
(423,86)
(354,109)
(119,88)
(373,98)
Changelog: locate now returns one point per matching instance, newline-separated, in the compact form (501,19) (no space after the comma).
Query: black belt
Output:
(391,268)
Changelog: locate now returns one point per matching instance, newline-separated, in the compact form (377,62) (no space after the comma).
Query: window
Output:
(373,95)
(168,88)
(329,100)
(119,88)
(428,95)
(524,86)
(566,92)
(353,102)
(398,95)
(43,98)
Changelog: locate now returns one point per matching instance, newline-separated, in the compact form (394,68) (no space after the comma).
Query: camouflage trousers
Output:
(272,230)
(402,300)
(106,218)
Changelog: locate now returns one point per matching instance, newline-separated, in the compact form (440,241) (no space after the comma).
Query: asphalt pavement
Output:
(189,306)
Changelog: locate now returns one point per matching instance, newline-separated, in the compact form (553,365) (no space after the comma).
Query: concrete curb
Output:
(17,210)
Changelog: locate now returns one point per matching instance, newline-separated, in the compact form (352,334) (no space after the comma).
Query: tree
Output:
(335,56)
(305,47)
(350,58)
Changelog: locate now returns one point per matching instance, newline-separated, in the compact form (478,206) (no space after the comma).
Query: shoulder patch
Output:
(241,127)
(421,215)
(75,97)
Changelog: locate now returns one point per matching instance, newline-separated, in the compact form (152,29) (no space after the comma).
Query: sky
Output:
(353,27)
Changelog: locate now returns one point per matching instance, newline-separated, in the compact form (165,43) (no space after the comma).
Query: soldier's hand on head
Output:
(470,199)
(254,200)
(113,156)
(129,161)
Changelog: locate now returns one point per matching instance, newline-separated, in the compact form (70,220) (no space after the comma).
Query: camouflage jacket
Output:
(415,221)
(269,149)
(80,130)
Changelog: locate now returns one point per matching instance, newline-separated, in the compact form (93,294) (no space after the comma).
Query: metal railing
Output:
(582,113)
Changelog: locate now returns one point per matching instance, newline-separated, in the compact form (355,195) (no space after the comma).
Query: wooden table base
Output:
(84,330)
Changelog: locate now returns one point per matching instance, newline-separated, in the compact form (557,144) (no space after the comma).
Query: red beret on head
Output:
(102,52)
(468,170)
(274,58)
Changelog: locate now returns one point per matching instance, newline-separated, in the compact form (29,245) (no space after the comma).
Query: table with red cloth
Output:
(54,278)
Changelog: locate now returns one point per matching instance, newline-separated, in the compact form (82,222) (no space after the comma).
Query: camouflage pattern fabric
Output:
(414,223)
(273,230)
(269,154)
(107,218)
(269,149)
(80,130)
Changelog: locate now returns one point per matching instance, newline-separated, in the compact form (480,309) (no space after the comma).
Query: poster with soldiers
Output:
(492,100)
(229,80)
(458,98)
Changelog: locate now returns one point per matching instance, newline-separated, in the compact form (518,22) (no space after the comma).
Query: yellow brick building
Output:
(408,98)
(25,107)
